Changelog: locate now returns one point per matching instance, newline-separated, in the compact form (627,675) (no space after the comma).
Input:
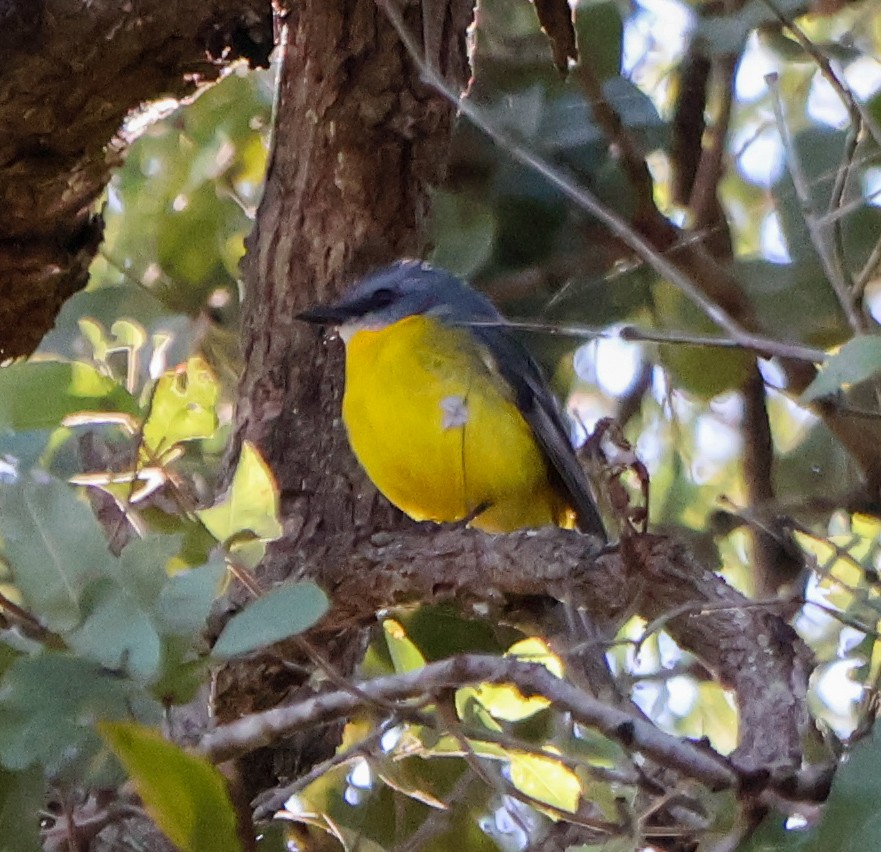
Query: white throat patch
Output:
(455,412)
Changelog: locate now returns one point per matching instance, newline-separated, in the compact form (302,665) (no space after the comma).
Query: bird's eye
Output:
(381,298)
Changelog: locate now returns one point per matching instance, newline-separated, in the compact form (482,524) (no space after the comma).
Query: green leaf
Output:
(186,600)
(141,568)
(463,230)
(184,671)
(285,611)
(22,795)
(117,633)
(185,795)
(251,506)
(795,298)
(701,370)
(48,705)
(815,467)
(406,657)
(850,822)
(183,407)
(859,359)
(54,546)
(637,111)
(600,31)
(40,394)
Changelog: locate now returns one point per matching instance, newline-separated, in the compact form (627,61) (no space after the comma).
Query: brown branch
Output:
(688,123)
(749,649)
(632,159)
(69,74)
(261,729)
(776,557)
(359,139)
(706,208)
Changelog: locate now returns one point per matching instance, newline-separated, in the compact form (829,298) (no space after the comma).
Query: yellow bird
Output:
(446,411)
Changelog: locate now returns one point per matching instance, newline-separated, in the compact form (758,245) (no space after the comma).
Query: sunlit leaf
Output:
(183,407)
(283,612)
(185,795)
(507,702)
(251,505)
(859,359)
(546,780)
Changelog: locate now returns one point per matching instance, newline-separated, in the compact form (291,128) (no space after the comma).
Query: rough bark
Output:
(749,648)
(359,142)
(70,72)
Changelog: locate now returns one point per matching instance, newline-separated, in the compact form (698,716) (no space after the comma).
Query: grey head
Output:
(406,288)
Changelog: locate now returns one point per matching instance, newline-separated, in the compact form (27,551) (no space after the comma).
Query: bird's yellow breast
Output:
(435,427)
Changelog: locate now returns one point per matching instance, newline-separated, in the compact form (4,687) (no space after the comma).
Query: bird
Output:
(447,412)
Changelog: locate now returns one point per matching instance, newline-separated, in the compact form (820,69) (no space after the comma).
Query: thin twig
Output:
(856,112)
(586,200)
(865,275)
(632,159)
(486,770)
(834,274)
(29,624)
(271,801)
(856,123)
(437,821)
(632,333)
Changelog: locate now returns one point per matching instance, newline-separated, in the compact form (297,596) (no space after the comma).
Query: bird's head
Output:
(406,288)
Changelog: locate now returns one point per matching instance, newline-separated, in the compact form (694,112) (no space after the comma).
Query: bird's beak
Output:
(325,315)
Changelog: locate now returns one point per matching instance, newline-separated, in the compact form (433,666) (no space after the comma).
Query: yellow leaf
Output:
(546,780)
(250,508)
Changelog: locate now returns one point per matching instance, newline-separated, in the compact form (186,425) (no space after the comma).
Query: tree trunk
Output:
(359,141)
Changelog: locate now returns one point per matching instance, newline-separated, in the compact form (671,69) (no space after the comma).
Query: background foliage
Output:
(128,403)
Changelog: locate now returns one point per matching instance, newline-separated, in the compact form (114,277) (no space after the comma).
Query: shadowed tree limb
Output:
(70,72)
(749,648)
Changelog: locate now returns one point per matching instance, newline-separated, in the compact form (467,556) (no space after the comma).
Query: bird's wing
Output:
(540,410)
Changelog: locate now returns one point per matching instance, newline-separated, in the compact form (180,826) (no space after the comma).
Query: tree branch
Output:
(261,729)
(70,72)
(749,648)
